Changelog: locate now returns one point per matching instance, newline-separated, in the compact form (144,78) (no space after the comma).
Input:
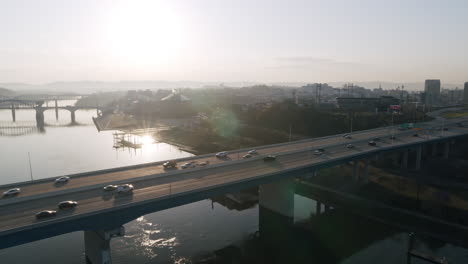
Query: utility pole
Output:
(30,167)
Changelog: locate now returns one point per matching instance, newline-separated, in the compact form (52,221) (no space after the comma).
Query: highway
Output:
(153,184)
(47,186)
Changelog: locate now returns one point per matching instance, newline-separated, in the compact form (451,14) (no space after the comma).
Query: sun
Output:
(144,32)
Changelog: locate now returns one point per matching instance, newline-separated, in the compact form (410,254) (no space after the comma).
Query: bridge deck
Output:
(17,213)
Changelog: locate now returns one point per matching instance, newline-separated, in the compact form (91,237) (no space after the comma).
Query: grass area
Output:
(455,114)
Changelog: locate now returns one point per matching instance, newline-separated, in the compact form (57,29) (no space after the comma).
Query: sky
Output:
(233,40)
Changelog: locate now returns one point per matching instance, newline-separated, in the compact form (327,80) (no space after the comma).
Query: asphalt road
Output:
(48,186)
(22,214)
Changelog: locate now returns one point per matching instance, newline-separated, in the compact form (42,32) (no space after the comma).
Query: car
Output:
(62,179)
(46,213)
(350,146)
(67,205)
(125,188)
(252,152)
(110,187)
(169,164)
(347,136)
(415,135)
(372,143)
(221,155)
(246,156)
(12,192)
(319,151)
(392,137)
(188,165)
(269,158)
(203,163)
(445,128)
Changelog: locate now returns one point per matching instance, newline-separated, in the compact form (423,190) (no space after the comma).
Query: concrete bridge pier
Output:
(434,149)
(418,157)
(276,215)
(39,118)
(446,149)
(356,171)
(56,109)
(13,112)
(72,116)
(97,245)
(278,197)
(365,174)
(404,159)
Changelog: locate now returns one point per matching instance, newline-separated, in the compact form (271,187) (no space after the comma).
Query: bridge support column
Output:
(56,109)
(365,175)
(434,149)
(72,117)
(278,197)
(404,159)
(13,112)
(418,157)
(97,245)
(39,118)
(356,171)
(446,149)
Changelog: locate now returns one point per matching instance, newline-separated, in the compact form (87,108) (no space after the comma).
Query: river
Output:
(201,232)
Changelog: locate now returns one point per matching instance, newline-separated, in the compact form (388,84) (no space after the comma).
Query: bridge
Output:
(101,215)
(36,102)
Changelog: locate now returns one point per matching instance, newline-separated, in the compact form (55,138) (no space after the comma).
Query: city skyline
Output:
(212,41)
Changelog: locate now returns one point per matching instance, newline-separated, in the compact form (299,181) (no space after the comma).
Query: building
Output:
(382,103)
(465,94)
(432,92)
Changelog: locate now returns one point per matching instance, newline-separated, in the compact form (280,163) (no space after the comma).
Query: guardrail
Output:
(391,147)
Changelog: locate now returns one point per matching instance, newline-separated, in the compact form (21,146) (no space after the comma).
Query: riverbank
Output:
(200,141)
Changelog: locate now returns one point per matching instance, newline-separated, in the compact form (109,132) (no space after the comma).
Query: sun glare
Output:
(144,32)
(147,140)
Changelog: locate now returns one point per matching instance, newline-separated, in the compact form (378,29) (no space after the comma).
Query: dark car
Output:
(170,164)
(372,143)
(67,204)
(392,137)
(46,213)
(269,158)
(415,135)
(445,128)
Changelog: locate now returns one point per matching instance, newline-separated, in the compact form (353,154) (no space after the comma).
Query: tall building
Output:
(432,90)
(465,94)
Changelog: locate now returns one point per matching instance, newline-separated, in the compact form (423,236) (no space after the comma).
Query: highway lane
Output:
(30,189)
(17,215)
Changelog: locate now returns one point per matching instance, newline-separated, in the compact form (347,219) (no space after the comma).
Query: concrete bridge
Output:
(101,215)
(37,104)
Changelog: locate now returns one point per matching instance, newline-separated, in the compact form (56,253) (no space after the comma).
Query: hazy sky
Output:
(239,40)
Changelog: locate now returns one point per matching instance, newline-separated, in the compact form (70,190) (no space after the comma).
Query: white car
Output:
(125,188)
(318,152)
(11,192)
(347,136)
(188,165)
(62,179)
(252,152)
(246,156)
(350,146)
(222,154)
(203,163)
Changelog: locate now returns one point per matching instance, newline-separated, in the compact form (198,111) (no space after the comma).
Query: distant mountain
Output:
(6,92)
(87,87)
